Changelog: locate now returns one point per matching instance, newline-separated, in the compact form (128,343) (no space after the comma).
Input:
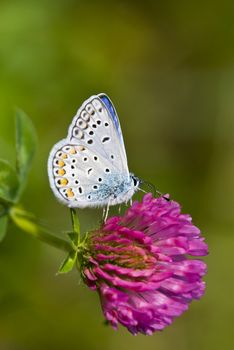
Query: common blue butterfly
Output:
(89,168)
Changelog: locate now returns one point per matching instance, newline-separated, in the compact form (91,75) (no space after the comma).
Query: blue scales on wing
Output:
(111,109)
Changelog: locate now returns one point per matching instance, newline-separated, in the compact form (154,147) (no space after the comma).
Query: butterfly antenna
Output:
(154,189)
(140,189)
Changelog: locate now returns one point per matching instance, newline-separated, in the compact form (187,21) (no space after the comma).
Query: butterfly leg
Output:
(106,212)
(103,214)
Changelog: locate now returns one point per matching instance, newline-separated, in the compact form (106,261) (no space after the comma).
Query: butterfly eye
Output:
(77,133)
(135,182)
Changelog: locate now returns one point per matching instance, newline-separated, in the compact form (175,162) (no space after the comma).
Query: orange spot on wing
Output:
(70,193)
(63,182)
(72,151)
(61,172)
(60,163)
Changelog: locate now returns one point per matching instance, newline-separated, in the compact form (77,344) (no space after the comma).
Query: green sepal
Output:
(73,237)
(26,141)
(9,183)
(75,221)
(3,226)
(68,263)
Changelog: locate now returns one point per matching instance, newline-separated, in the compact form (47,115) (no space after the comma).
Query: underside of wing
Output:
(81,178)
(89,167)
(113,114)
(96,126)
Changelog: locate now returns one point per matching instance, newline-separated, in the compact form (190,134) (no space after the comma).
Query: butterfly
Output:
(89,167)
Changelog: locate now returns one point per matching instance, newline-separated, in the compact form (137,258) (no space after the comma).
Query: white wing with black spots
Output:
(89,167)
(94,128)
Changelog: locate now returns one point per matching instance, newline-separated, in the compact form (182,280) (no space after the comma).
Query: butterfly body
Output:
(89,168)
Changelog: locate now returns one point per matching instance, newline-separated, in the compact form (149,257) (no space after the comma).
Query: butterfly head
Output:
(135,181)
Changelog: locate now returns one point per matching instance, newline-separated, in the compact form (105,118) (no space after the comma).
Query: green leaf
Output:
(9,183)
(26,141)
(3,226)
(68,263)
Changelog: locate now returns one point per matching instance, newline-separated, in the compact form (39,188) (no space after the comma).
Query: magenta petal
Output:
(124,271)
(142,265)
(198,247)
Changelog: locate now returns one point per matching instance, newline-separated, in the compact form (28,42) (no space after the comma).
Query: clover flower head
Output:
(142,265)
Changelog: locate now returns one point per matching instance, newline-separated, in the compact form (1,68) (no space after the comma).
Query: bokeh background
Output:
(169,68)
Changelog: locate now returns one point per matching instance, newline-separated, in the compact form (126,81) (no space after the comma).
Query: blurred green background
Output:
(169,68)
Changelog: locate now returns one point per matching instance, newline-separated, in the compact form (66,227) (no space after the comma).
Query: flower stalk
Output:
(26,222)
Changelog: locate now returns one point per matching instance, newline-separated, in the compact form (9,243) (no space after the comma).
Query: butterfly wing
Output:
(96,126)
(86,167)
(113,114)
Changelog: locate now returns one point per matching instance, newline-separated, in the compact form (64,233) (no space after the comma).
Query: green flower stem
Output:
(26,223)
